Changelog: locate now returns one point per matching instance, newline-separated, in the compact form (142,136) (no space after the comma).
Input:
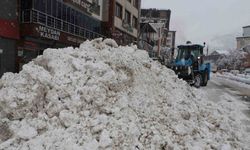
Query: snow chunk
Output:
(110,42)
(26,132)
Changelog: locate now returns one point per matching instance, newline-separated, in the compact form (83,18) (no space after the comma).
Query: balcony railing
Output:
(34,16)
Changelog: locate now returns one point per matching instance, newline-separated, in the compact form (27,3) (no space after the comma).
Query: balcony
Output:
(34,16)
(127,26)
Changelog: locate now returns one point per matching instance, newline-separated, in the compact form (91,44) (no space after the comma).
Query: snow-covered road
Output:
(231,94)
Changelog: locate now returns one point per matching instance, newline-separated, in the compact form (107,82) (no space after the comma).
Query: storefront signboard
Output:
(48,33)
(81,4)
(41,31)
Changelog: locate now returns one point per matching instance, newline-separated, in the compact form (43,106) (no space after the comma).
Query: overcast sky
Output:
(217,22)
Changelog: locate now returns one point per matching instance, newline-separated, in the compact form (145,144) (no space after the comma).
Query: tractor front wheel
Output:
(205,79)
(197,81)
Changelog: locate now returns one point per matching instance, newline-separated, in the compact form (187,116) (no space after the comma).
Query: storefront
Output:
(53,24)
(36,38)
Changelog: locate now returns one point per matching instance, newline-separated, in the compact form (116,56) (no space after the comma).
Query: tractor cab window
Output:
(188,52)
(182,54)
(196,53)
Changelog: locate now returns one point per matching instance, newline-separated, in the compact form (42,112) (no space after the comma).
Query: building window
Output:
(26,4)
(59,10)
(49,7)
(118,10)
(40,5)
(54,6)
(136,4)
(96,2)
(134,22)
(127,17)
(129,1)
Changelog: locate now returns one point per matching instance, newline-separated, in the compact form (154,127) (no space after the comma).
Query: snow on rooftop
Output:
(101,96)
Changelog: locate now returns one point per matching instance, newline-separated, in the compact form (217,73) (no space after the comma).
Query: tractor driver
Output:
(190,55)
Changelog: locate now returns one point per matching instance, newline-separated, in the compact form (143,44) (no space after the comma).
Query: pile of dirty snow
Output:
(101,96)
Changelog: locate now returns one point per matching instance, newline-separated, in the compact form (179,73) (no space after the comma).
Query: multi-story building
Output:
(154,31)
(156,15)
(27,27)
(120,19)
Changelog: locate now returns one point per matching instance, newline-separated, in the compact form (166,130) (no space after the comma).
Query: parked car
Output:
(214,68)
(246,71)
(235,72)
(222,71)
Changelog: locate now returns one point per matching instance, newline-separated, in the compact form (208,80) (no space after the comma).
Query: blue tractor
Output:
(189,65)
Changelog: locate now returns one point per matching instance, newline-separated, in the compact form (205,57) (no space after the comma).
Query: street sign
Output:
(20,53)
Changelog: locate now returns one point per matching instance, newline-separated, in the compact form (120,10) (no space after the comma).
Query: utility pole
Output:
(159,43)
(207,50)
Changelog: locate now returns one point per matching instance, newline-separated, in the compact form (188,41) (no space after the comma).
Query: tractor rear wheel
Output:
(197,81)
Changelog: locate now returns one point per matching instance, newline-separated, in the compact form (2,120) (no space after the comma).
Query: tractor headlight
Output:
(189,70)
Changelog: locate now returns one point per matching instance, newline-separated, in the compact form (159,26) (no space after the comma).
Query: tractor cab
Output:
(189,55)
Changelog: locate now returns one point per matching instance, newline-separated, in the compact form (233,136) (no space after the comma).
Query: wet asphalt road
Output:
(240,92)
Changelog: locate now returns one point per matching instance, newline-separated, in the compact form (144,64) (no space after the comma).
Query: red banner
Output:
(9,29)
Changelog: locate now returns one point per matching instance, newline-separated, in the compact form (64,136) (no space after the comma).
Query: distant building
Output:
(243,43)
(245,39)
(213,57)
(170,42)
(154,31)
(156,16)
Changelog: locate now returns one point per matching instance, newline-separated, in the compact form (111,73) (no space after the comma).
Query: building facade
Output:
(120,20)
(27,27)
(156,15)
(55,24)
(154,32)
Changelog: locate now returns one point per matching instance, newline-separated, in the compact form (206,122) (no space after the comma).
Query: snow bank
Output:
(101,96)
(240,77)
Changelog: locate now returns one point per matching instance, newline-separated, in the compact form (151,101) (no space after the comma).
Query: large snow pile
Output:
(101,96)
